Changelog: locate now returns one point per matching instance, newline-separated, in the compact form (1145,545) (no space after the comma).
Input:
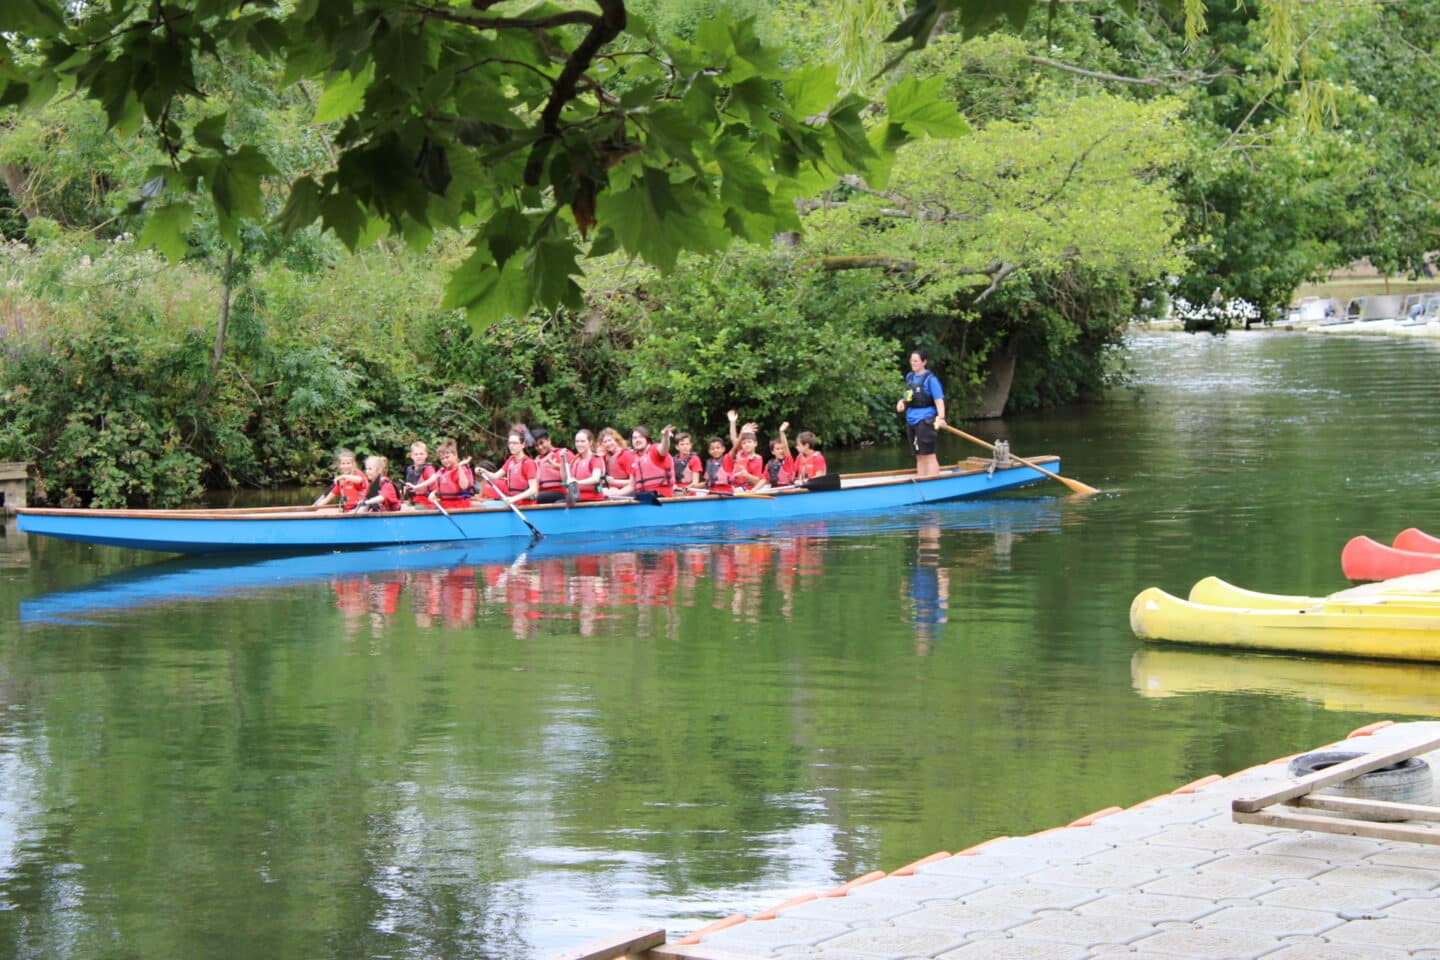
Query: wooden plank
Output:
(615,945)
(1340,825)
(1332,775)
(1369,809)
(13,470)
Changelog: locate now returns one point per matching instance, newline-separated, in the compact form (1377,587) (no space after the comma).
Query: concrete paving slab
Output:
(898,942)
(1206,944)
(971,920)
(1066,927)
(1017,950)
(847,911)
(1172,878)
(1269,919)
(1327,951)
(1152,908)
(920,887)
(1386,932)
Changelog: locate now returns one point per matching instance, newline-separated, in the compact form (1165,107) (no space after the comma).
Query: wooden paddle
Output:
(1075,485)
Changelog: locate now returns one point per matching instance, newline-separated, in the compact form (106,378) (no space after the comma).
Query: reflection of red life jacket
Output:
(717,476)
(652,476)
(582,467)
(549,473)
(518,473)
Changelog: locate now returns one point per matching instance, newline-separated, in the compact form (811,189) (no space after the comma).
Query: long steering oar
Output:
(1075,485)
(436,500)
(534,530)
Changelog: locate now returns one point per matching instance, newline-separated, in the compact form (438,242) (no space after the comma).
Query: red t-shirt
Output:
(349,491)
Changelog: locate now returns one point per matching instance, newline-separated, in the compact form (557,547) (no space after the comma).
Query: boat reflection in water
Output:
(1357,686)
(736,570)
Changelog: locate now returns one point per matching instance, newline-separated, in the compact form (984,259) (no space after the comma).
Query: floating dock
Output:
(1172,877)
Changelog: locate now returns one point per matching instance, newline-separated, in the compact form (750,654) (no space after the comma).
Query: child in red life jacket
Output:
(688,468)
(380,495)
(780,468)
(809,462)
(418,470)
(716,473)
(587,470)
(452,485)
(349,484)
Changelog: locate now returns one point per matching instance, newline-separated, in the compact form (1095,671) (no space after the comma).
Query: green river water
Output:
(504,757)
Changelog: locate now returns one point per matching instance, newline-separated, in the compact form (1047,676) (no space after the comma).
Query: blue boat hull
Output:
(234,531)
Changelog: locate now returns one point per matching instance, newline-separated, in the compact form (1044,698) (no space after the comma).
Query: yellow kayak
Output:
(1387,597)
(1403,632)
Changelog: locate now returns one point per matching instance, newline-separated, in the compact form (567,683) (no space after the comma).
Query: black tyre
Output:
(1408,781)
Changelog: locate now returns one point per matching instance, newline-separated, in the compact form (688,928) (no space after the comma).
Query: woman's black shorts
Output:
(922,436)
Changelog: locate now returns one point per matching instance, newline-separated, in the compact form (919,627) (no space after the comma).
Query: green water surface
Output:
(503,756)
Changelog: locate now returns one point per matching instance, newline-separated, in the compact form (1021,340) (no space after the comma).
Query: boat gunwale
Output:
(307,512)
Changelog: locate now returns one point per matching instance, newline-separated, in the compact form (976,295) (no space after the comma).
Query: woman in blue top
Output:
(924,409)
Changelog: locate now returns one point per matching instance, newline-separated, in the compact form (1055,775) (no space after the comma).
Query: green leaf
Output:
(810,90)
(210,132)
(920,106)
(657,218)
(487,293)
(34,19)
(344,95)
(165,230)
(743,184)
(302,208)
(550,265)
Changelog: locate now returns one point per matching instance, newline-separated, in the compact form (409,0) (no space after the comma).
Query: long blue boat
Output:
(190,580)
(304,528)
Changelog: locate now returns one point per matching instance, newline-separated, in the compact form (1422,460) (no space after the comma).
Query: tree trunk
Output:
(218,351)
(997,381)
(18,186)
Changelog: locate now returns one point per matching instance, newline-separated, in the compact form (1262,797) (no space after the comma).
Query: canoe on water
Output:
(1367,559)
(1402,627)
(302,528)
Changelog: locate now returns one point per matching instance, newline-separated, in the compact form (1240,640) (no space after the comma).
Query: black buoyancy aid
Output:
(919,390)
(716,474)
(414,474)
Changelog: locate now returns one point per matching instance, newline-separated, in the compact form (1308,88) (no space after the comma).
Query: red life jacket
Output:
(349,492)
(550,475)
(517,478)
(808,466)
(455,486)
(751,464)
(618,466)
(780,471)
(582,467)
(716,477)
(654,477)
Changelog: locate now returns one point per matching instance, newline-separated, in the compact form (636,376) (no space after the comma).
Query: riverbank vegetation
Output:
(751,205)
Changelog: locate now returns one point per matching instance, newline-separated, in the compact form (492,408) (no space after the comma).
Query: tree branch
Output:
(610,25)
(567,18)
